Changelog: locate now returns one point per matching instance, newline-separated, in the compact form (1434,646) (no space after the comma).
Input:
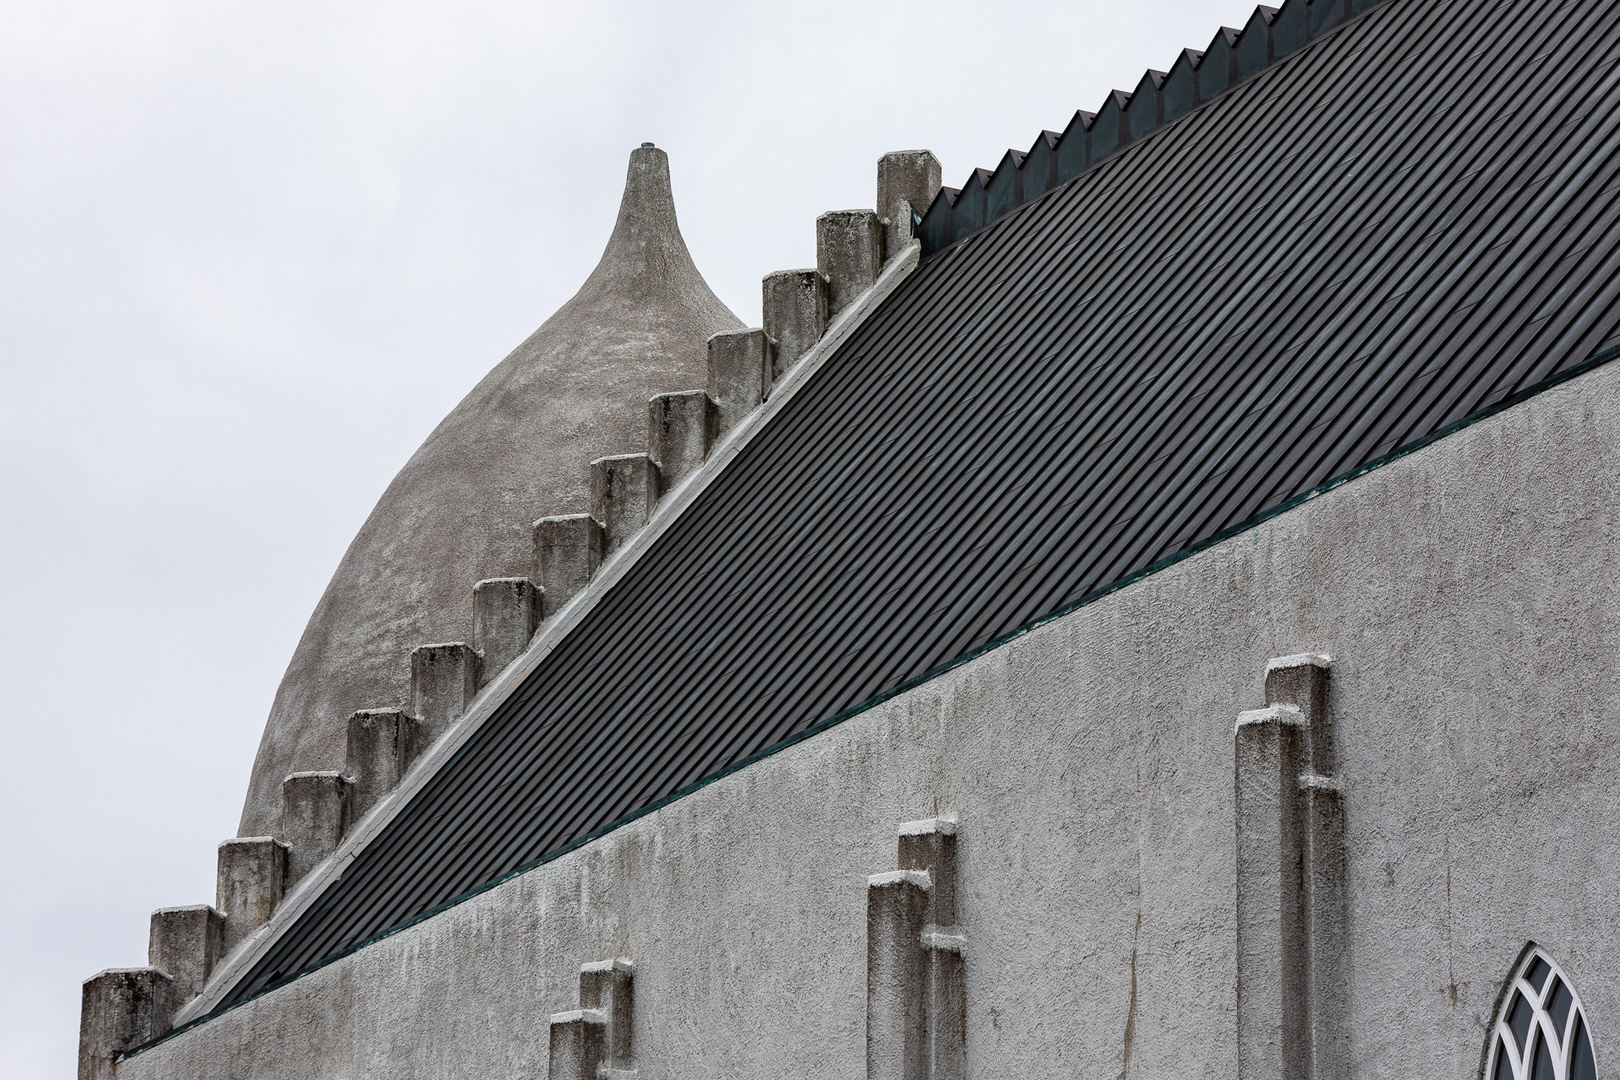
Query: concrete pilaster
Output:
(567,551)
(739,374)
(252,877)
(185,942)
(577,1043)
(930,846)
(1270,944)
(444,681)
(608,987)
(794,306)
(945,1004)
(381,747)
(314,817)
(506,613)
(120,1009)
(896,976)
(680,430)
(624,494)
(1302,682)
(849,253)
(907,180)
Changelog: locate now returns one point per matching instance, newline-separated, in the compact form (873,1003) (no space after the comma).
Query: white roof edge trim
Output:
(553,630)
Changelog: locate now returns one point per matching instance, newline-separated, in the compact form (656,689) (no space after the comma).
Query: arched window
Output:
(1541,1032)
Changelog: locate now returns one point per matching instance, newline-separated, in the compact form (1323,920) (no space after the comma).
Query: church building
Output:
(1150,612)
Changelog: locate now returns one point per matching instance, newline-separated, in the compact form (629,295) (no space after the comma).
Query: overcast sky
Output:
(250,254)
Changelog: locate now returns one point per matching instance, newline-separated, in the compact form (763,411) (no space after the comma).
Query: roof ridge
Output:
(1197,77)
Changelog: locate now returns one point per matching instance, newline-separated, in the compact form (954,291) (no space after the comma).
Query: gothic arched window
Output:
(1541,1032)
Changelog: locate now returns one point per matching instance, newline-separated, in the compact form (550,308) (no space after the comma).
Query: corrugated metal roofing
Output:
(1399,225)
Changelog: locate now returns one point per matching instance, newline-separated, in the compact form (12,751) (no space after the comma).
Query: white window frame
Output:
(1521,1060)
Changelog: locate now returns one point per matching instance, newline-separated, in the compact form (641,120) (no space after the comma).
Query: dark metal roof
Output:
(1405,222)
(1160,97)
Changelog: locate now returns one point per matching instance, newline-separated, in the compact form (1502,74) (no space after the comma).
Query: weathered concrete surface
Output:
(185,942)
(907,180)
(567,551)
(624,494)
(517,448)
(793,304)
(739,375)
(444,680)
(849,254)
(1468,596)
(121,1008)
(680,430)
(314,817)
(382,743)
(249,885)
(506,613)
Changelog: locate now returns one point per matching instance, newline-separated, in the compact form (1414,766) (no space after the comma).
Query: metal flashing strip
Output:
(551,632)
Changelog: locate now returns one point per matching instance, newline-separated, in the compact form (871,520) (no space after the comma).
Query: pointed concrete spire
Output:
(517,448)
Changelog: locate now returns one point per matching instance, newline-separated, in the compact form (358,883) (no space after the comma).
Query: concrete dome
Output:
(517,448)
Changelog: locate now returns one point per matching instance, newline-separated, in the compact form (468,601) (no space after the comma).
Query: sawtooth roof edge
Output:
(552,631)
(1127,117)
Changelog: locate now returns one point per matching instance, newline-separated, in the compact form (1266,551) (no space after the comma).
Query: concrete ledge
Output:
(948,938)
(917,878)
(1274,714)
(506,613)
(1283,663)
(589,1016)
(944,826)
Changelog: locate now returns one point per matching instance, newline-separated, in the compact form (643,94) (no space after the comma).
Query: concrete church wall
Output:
(1467,595)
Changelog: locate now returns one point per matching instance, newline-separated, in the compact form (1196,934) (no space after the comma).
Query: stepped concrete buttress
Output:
(517,448)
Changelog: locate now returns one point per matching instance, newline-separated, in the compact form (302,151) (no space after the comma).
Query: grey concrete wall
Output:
(1467,594)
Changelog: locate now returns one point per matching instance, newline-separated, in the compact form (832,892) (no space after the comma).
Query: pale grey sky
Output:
(251,253)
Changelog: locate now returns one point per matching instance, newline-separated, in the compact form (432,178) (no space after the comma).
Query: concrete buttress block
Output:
(120,1009)
(381,748)
(444,681)
(252,877)
(186,942)
(506,613)
(680,430)
(795,315)
(739,372)
(907,180)
(567,552)
(624,493)
(849,253)
(314,817)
